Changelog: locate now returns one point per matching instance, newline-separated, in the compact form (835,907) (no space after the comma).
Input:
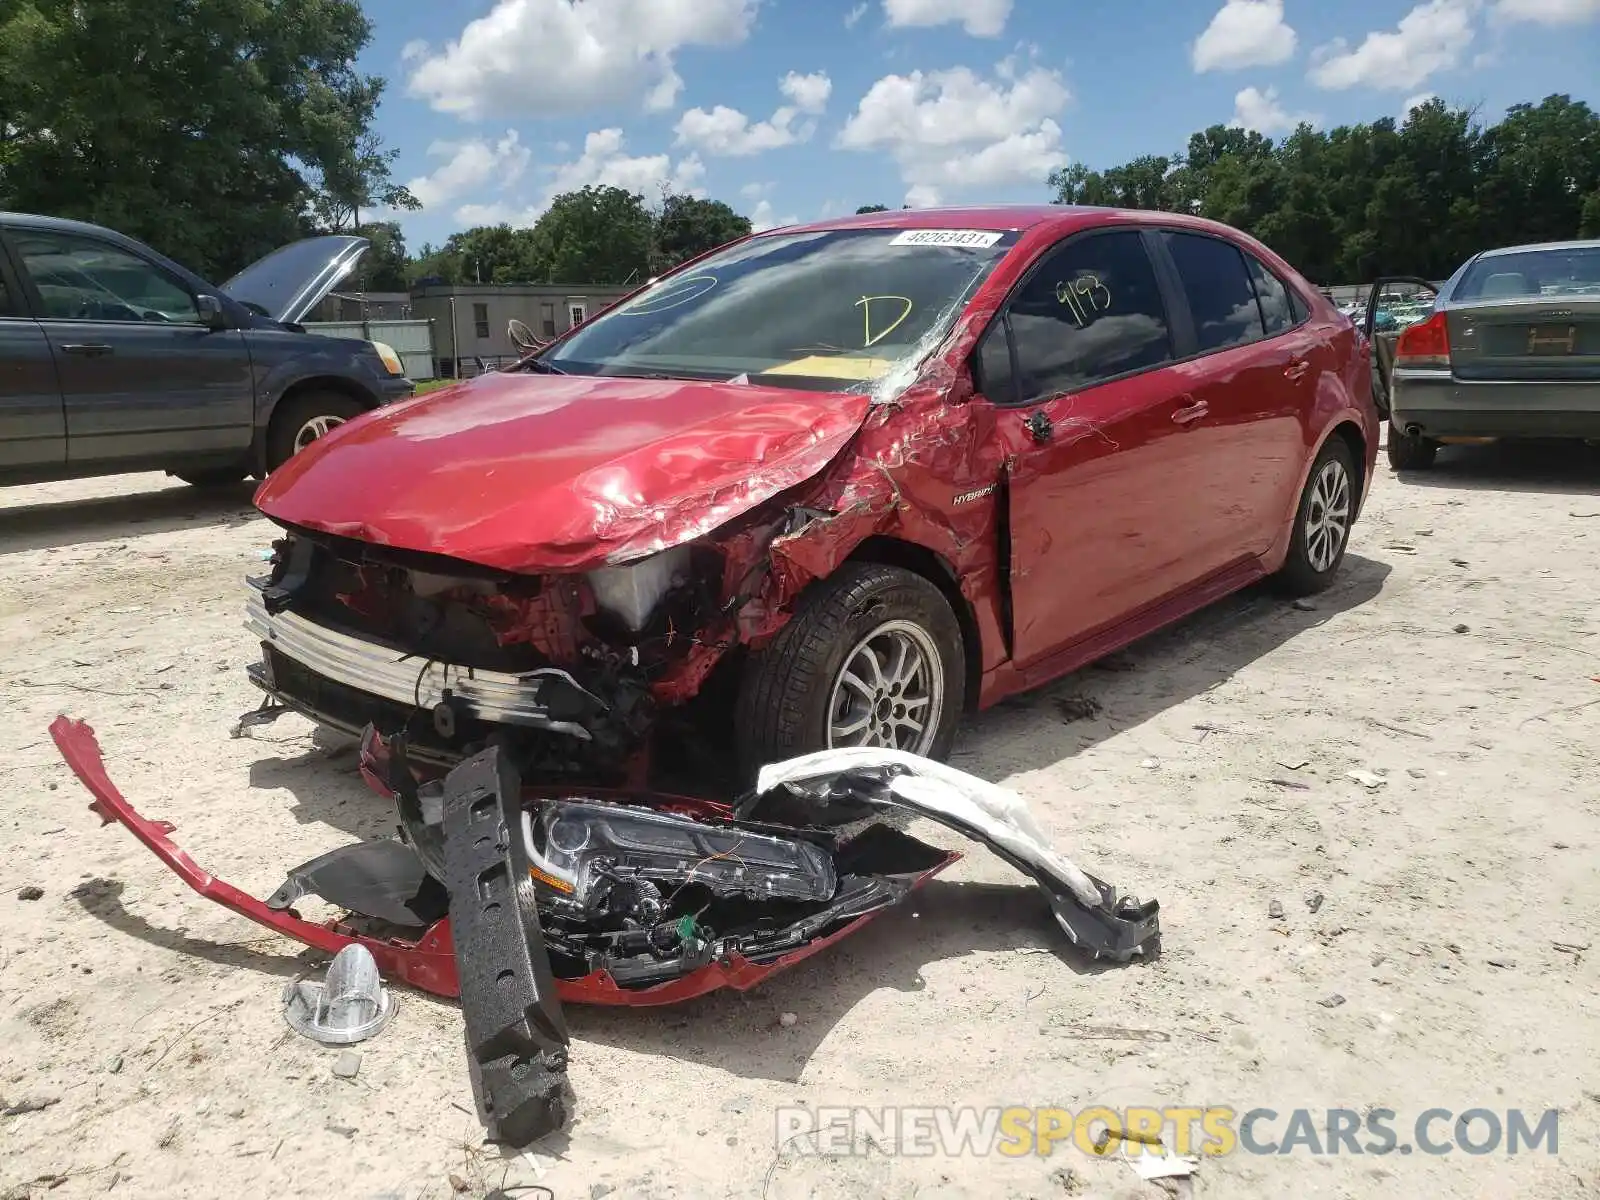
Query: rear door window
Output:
(1277,305)
(1091,311)
(1221,297)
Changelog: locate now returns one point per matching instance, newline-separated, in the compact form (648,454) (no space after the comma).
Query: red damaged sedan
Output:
(829,486)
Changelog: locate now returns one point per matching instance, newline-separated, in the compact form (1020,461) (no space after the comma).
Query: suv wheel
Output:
(1322,522)
(303,419)
(872,657)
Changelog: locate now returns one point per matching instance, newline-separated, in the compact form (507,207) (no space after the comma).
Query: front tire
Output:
(301,420)
(1322,522)
(1410,451)
(872,657)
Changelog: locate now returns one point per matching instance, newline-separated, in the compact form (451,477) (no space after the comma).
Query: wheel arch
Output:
(1352,436)
(311,383)
(932,566)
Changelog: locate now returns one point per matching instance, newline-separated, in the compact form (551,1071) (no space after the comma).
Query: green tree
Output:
(213,129)
(598,234)
(687,226)
(1416,197)
(871,208)
(383,268)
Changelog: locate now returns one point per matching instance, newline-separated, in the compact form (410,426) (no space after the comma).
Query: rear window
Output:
(1527,274)
(1217,285)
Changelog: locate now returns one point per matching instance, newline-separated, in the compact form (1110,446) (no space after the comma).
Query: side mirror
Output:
(212,314)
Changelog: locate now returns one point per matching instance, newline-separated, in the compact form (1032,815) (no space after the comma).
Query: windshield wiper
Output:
(540,366)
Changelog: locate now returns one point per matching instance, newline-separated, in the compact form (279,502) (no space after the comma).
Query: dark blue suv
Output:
(114,358)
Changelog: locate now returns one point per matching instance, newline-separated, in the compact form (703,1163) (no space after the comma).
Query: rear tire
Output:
(1411,452)
(1322,522)
(302,419)
(863,622)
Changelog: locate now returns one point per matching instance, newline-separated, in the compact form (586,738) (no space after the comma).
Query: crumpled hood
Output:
(527,473)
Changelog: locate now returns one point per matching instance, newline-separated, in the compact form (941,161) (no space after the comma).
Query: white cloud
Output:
(413,50)
(956,129)
(549,56)
(980,18)
(1431,37)
(1547,12)
(728,133)
(808,93)
(1264,112)
(471,166)
(1413,102)
(756,191)
(1244,33)
(605,162)
(852,17)
(763,217)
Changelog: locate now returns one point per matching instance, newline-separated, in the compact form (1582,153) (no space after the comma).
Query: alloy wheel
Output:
(890,692)
(1327,516)
(313,429)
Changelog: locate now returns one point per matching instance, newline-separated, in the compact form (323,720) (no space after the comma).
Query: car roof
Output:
(1583,244)
(1005,218)
(60,224)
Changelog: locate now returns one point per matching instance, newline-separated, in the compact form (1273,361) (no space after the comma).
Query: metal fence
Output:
(411,340)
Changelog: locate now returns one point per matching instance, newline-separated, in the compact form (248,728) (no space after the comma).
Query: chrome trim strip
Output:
(381,671)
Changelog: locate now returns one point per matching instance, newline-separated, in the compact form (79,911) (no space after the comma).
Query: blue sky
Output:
(794,109)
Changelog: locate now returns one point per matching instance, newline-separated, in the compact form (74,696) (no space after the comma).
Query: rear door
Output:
(33,426)
(1394,304)
(1256,386)
(1090,419)
(141,378)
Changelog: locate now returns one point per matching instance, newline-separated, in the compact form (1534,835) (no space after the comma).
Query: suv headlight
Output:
(391,360)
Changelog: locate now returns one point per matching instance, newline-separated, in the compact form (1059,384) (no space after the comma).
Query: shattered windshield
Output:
(834,310)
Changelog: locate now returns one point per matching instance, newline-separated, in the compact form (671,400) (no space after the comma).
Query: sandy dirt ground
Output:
(1454,663)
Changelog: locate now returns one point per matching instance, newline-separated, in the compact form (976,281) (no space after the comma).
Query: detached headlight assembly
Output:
(391,360)
(631,593)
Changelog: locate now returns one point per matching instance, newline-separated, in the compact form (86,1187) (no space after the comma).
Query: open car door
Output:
(1394,303)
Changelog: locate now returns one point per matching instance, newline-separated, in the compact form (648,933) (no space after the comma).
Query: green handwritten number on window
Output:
(1085,298)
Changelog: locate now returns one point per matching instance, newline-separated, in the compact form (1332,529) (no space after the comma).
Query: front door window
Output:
(80,279)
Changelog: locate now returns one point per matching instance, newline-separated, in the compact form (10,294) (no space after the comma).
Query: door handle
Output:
(1190,413)
(1296,370)
(87,349)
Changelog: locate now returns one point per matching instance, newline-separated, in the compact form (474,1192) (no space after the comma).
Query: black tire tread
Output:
(1407,453)
(1296,577)
(772,712)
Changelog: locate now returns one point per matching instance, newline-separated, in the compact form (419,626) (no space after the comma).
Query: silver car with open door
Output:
(1510,348)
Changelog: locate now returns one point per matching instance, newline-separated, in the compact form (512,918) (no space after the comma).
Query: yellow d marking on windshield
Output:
(865,305)
(823,367)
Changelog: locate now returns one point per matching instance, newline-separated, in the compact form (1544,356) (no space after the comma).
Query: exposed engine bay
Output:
(519,899)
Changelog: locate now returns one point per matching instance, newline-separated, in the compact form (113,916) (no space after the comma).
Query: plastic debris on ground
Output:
(349,1006)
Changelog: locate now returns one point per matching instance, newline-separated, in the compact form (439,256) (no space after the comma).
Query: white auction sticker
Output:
(975,239)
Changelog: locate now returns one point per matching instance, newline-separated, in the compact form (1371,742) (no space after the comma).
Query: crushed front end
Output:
(570,673)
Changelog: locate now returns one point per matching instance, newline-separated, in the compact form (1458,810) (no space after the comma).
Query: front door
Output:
(33,428)
(1394,304)
(141,378)
(1092,424)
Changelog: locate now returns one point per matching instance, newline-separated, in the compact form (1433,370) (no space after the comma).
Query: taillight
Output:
(1425,344)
